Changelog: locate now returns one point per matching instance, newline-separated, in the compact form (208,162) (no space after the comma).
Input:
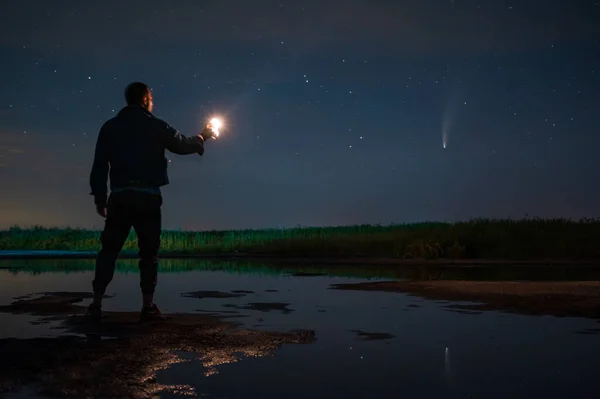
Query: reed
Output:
(473,239)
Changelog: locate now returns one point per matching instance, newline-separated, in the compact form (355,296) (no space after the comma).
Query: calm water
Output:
(434,352)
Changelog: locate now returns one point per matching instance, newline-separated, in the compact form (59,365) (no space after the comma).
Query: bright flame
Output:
(215,125)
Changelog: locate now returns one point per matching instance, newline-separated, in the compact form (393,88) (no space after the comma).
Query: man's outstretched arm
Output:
(179,144)
(100,167)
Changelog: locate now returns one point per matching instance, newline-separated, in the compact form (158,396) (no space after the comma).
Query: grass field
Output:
(475,239)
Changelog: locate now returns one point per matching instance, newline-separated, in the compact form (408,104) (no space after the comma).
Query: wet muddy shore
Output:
(561,299)
(120,358)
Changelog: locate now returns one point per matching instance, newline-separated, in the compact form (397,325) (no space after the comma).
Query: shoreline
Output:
(124,354)
(314,260)
(530,298)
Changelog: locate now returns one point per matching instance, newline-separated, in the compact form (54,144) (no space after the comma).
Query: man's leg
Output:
(116,229)
(147,225)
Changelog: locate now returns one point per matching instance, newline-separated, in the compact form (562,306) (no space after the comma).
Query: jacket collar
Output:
(128,109)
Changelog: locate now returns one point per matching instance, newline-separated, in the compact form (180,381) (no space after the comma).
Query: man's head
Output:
(139,94)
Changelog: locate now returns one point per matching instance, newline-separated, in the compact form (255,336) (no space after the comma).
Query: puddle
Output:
(242,332)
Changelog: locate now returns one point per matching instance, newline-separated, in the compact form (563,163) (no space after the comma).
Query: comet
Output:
(449,114)
(446,125)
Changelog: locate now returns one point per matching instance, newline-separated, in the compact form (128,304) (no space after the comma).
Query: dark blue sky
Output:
(335,111)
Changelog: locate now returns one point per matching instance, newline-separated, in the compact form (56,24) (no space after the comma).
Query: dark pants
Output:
(125,210)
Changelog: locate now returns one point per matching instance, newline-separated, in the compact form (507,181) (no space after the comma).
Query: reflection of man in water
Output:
(131,148)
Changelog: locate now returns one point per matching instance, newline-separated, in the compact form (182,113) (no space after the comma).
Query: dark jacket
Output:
(132,147)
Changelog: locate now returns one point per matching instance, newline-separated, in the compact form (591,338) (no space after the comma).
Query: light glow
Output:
(215,125)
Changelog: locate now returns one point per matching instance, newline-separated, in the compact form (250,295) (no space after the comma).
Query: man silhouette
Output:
(131,149)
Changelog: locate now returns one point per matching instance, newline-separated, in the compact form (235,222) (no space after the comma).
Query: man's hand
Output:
(101,210)
(208,133)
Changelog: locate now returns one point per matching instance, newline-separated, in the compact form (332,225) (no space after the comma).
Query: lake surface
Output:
(423,349)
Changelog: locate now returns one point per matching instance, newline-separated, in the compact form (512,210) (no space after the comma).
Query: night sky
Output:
(336,111)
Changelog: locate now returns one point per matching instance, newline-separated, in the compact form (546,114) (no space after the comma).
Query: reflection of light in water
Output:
(214,347)
(447,371)
(219,357)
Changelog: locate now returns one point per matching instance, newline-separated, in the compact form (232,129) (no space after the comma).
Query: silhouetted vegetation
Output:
(422,272)
(475,239)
